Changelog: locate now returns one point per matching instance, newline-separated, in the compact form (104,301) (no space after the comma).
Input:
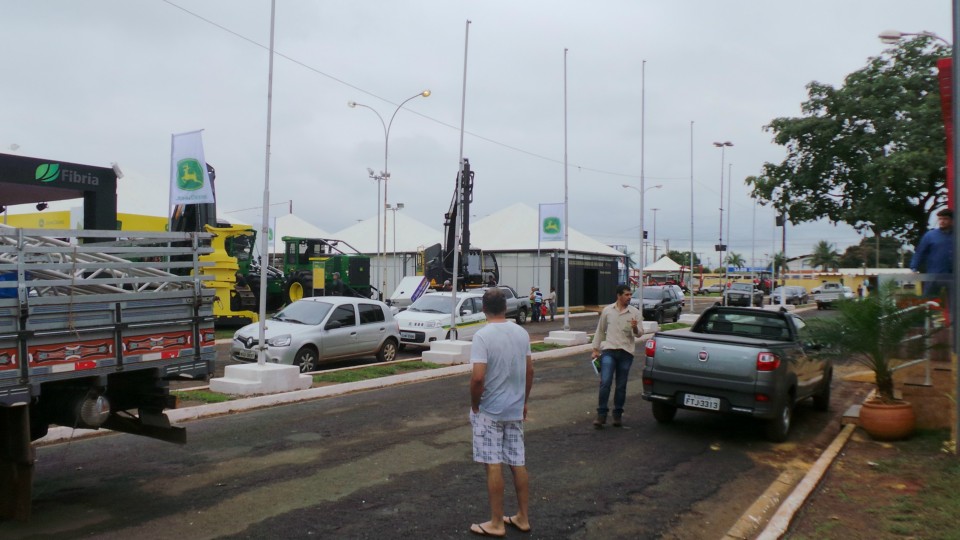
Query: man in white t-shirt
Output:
(499,389)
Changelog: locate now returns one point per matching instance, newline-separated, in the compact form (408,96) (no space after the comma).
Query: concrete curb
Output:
(792,493)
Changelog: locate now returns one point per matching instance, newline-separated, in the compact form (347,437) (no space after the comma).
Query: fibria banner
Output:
(552,224)
(189,183)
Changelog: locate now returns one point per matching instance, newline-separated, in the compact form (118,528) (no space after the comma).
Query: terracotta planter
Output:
(887,422)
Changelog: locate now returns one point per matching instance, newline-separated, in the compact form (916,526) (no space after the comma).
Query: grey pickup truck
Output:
(740,361)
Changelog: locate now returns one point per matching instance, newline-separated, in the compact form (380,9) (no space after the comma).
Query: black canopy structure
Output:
(25,180)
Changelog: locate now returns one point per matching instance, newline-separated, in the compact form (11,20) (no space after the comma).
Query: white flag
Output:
(552,225)
(189,183)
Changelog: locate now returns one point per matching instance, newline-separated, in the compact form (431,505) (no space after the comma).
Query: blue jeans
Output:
(614,361)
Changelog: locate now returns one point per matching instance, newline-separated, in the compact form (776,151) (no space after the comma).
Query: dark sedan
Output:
(659,303)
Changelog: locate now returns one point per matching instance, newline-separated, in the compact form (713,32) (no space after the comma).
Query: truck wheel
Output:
(307,359)
(663,412)
(521,316)
(778,427)
(821,400)
(388,351)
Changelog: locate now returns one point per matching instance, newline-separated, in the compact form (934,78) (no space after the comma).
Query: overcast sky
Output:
(101,81)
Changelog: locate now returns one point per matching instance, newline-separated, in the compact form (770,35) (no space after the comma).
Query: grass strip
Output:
(373,372)
(540,347)
(206,396)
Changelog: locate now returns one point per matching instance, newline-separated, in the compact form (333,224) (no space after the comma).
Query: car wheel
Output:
(659,317)
(778,427)
(676,318)
(522,316)
(388,351)
(821,400)
(307,360)
(663,412)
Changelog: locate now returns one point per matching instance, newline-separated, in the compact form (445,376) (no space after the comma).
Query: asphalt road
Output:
(395,463)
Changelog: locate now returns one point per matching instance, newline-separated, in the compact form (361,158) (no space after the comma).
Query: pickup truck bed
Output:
(735,361)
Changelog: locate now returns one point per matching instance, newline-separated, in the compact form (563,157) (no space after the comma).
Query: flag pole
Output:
(265,224)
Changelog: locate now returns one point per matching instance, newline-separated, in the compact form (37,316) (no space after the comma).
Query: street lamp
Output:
(394,208)
(642,192)
(892,36)
(655,210)
(720,247)
(385,173)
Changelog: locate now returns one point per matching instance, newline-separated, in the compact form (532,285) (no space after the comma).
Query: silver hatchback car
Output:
(321,329)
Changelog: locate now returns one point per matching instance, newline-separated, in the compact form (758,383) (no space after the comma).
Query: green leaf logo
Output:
(48,172)
(189,175)
(551,225)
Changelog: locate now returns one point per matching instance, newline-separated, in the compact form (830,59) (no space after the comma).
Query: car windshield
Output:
(650,293)
(431,304)
(741,287)
(304,312)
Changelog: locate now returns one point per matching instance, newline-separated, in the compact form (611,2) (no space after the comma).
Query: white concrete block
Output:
(567,338)
(689,318)
(650,327)
(249,379)
(448,352)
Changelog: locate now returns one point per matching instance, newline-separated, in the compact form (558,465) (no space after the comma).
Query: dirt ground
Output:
(878,490)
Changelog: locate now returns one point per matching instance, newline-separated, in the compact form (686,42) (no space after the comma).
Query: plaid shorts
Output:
(497,441)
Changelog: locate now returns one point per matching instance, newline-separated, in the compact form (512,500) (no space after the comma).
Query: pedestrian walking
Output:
(499,390)
(534,306)
(552,302)
(614,343)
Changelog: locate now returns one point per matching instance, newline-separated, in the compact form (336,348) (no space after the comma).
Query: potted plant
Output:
(870,331)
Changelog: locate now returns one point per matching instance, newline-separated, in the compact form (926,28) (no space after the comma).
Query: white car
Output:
(319,329)
(428,319)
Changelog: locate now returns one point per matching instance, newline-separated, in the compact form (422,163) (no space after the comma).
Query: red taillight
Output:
(761,397)
(767,361)
(648,381)
(650,347)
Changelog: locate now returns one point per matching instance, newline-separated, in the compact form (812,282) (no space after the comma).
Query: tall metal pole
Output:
(566,209)
(265,224)
(457,201)
(729,202)
(955,117)
(691,218)
(655,210)
(643,122)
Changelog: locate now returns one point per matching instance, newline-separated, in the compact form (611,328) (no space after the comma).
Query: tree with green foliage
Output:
(735,260)
(825,255)
(871,153)
(781,262)
(683,257)
(865,253)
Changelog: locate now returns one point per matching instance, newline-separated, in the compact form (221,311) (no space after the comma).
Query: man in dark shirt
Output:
(934,255)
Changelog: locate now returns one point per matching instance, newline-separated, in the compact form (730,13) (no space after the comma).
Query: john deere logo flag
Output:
(552,227)
(189,183)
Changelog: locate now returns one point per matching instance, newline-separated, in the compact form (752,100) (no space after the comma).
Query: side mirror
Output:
(465,312)
(333,325)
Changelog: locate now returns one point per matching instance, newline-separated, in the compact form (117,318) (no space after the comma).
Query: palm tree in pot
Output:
(871,331)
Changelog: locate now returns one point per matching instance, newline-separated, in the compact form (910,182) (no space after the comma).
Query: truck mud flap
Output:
(155,426)
(16,463)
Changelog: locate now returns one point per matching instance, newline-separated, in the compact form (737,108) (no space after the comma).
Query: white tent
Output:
(515,229)
(409,233)
(665,264)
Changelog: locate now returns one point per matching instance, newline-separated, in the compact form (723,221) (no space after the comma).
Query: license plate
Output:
(408,335)
(247,354)
(701,402)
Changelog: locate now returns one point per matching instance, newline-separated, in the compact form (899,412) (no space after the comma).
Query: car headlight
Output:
(279,341)
(432,324)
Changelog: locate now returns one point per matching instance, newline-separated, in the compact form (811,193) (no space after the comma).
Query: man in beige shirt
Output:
(615,343)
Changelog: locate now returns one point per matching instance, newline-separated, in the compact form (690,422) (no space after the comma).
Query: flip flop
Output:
(509,521)
(480,531)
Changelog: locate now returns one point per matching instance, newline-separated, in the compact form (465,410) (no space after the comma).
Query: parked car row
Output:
(659,303)
(792,294)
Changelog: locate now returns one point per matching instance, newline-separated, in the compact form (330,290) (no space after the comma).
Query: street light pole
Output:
(385,174)
(655,210)
(394,208)
(641,256)
(720,247)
